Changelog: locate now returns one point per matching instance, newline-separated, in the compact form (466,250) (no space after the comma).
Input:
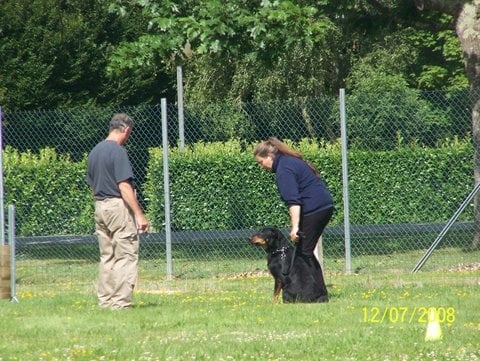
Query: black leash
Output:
(300,235)
(291,262)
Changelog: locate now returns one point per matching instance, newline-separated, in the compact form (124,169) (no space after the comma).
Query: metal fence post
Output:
(346,211)
(11,242)
(166,186)
(181,119)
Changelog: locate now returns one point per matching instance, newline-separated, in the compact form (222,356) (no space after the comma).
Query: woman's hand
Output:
(294,234)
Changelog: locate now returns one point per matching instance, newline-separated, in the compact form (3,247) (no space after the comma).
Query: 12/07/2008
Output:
(408,314)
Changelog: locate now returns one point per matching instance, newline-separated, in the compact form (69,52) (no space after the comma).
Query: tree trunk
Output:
(467,15)
(468,31)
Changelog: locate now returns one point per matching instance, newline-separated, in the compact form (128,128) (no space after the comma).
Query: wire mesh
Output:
(380,127)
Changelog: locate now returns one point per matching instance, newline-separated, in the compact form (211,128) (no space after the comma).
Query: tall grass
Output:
(231,318)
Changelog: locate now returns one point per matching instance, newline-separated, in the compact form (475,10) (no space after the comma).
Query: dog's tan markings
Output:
(259,241)
(276,292)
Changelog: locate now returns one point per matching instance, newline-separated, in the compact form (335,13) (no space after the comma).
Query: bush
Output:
(219,186)
(409,185)
(49,192)
(212,186)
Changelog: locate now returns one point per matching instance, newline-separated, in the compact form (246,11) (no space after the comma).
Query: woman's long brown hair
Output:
(273,145)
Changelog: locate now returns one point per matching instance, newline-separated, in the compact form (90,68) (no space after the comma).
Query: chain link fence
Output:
(399,199)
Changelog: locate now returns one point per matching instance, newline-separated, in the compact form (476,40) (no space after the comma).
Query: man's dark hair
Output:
(120,121)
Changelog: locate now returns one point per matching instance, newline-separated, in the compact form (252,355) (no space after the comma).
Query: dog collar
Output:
(280,250)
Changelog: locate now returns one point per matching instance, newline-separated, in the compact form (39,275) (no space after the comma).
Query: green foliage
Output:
(238,48)
(68,132)
(45,57)
(440,60)
(217,122)
(74,53)
(54,54)
(393,57)
(49,193)
(309,117)
(218,186)
(212,186)
(393,117)
(410,184)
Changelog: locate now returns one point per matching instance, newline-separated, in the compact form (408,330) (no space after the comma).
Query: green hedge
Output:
(410,185)
(49,192)
(213,186)
(219,186)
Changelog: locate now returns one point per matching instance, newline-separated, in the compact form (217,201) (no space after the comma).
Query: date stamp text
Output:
(408,314)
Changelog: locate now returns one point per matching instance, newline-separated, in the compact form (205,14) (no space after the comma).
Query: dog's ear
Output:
(272,232)
(278,233)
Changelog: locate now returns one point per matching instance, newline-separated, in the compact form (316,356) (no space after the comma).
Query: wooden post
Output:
(5,275)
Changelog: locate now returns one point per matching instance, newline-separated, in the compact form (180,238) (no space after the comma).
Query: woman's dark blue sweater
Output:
(298,184)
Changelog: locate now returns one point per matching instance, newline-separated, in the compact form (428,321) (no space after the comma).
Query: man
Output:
(118,216)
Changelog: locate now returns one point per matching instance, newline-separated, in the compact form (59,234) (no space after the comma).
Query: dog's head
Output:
(268,237)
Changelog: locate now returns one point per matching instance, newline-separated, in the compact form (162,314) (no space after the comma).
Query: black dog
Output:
(298,277)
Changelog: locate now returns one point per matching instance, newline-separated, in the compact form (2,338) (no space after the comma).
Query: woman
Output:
(309,202)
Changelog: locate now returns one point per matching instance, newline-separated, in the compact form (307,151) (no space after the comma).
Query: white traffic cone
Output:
(434,332)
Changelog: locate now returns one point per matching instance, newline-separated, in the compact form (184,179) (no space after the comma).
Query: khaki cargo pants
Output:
(119,245)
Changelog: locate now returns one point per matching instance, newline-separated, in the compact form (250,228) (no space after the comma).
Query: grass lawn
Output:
(371,316)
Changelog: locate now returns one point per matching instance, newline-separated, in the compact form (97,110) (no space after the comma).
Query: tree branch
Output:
(419,5)
(451,7)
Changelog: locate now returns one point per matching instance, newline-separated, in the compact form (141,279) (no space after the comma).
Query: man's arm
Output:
(128,195)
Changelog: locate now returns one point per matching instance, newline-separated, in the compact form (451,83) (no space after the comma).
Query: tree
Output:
(467,26)
(54,55)
(248,48)
(240,48)
(284,49)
